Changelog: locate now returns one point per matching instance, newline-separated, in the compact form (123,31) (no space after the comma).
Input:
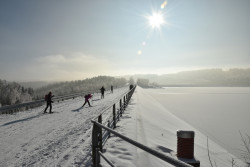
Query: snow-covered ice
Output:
(219,112)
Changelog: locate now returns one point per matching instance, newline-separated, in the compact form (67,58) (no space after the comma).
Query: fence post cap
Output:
(185,134)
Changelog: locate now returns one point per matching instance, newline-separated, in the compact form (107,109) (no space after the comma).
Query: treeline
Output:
(13,93)
(208,77)
(144,83)
(211,77)
(87,85)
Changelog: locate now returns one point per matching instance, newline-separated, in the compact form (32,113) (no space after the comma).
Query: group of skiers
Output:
(48,99)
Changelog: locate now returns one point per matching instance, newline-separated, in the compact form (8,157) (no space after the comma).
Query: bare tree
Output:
(209,155)
(245,153)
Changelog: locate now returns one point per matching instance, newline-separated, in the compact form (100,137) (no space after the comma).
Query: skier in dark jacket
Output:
(102,92)
(111,88)
(87,97)
(48,98)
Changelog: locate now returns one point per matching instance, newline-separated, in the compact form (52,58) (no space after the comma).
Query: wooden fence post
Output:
(96,142)
(124,103)
(118,115)
(109,127)
(100,134)
(114,116)
(97,157)
(121,107)
(127,98)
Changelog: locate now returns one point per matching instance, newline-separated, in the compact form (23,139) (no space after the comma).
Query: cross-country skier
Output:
(48,99)
(102,91)
(87,97)
(111,88)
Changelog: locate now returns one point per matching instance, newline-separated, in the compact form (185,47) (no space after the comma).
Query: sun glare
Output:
(156,20)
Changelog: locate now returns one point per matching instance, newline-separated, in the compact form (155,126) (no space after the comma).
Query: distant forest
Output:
(87,85)
(199,78)
(13,93)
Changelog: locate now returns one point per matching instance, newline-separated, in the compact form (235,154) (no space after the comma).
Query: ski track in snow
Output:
(142,138)
(31,138)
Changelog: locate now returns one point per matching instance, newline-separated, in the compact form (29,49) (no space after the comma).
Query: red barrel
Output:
(185,144)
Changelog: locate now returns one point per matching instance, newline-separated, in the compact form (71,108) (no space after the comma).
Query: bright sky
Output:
(71,40)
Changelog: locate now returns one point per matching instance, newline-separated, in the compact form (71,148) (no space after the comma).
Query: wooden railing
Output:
(102,128)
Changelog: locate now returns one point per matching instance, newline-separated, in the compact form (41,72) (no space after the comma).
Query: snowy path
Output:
(32,138)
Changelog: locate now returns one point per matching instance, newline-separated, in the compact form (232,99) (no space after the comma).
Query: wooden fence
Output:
(102,128)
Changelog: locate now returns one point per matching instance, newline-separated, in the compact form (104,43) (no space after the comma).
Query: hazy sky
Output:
(71,40)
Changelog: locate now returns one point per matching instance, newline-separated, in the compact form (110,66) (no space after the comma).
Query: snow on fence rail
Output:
(16,107)
(101,133)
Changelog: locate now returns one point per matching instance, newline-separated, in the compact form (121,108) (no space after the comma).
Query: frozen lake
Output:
(218,112)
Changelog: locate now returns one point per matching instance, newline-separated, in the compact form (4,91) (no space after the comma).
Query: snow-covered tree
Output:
(13,93)
(143,82)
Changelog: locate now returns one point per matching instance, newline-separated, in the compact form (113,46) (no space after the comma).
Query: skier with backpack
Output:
(48,99)
(87,97)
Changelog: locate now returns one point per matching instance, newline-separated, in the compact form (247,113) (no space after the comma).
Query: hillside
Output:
(206,77)
(86,85)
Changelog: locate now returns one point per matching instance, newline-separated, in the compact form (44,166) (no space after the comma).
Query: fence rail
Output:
(143,147)
(101,132)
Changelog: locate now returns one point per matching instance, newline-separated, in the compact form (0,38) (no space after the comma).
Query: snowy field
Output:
(220,112)
(31,138)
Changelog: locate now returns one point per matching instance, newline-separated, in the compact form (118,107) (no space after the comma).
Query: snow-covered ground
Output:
(149,122)
(219,112)
(31,138)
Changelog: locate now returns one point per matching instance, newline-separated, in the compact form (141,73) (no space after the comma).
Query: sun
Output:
(156,20)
